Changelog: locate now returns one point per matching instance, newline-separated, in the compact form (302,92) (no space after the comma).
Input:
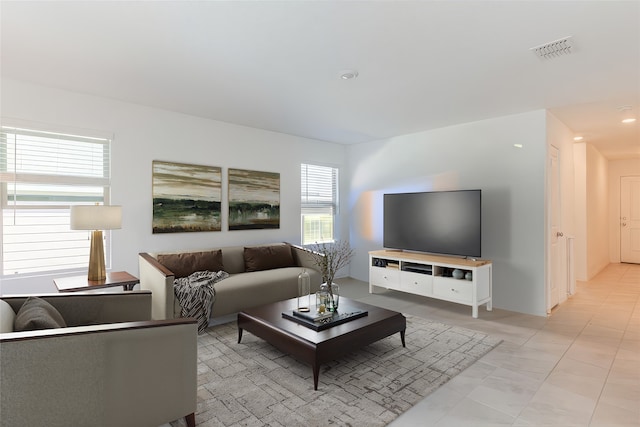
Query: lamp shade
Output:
(96,217)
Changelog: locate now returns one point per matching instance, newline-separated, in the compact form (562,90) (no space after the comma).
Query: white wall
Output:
(143,134)
(592,201)
(618,169)
(467,156)
(597,212)
(580,203)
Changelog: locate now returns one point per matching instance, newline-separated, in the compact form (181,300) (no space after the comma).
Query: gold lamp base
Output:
(97,269)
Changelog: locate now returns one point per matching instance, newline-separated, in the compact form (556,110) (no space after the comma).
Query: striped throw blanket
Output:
(196,295)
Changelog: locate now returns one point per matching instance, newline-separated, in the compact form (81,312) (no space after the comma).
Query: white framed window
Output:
(319,203)
(42,174)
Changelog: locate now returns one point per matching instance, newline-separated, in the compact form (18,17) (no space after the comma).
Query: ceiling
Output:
(276,65)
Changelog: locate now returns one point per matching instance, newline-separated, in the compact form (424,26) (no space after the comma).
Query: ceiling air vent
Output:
(553,49)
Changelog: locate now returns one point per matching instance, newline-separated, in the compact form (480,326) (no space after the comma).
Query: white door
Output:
(630,219)
(555,280)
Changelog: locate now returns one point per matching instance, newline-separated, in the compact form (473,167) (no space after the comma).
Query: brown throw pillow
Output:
(184,263)
(37,313)
(257,258)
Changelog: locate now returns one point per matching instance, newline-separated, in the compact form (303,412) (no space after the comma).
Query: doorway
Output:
(630,219)
(556,280)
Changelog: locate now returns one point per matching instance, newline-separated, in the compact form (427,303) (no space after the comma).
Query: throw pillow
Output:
(257,258)
(184,263)
(7,316)
(37,313)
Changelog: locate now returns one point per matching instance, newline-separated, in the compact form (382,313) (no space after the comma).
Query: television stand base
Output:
(459,280)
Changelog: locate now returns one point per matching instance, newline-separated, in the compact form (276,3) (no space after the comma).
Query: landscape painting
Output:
(254,199)
(186,197)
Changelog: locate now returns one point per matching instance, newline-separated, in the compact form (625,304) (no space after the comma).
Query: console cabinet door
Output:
(453,289)
(385,277)
(416,283)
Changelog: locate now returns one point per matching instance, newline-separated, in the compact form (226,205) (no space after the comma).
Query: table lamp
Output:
(96,218)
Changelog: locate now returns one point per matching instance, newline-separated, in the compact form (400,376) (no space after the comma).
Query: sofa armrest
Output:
(159,280)
(89,329)
(305,257)
(86,308)
(128,374)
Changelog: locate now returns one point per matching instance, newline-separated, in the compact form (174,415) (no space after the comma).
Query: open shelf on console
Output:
(385,263)
(417,268)
(449,272)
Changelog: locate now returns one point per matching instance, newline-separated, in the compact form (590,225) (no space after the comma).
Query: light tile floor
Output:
(578,367)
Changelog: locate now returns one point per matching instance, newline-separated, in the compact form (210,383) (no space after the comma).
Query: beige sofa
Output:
(110,366)
(257,275)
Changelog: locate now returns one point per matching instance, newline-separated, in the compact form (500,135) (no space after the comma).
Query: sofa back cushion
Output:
(268,257)
(233,259)
(182,264)
(36,314)
(7,316)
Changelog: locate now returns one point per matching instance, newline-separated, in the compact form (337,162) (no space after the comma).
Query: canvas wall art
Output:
(186,197)
(254,199)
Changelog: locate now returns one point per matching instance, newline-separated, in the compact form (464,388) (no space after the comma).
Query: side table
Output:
(81,283)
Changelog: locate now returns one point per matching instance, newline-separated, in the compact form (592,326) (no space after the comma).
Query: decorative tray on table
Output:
(321,321)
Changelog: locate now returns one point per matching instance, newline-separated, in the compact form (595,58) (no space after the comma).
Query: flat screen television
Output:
(440,222)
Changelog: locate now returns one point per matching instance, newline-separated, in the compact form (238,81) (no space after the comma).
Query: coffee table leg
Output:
(239,335)
(316,374)
(402,337)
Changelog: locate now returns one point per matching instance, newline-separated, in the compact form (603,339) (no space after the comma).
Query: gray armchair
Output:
(111,365)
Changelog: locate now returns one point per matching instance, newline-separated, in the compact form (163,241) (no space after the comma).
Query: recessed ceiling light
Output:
(518,145)
(578,138)
(348,74)
(629,120)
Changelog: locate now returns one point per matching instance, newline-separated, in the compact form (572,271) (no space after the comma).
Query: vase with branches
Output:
(330,258)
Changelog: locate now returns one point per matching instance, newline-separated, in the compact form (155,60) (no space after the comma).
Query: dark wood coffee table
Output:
(316,348)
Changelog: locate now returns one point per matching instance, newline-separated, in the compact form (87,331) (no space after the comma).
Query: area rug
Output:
(255,384)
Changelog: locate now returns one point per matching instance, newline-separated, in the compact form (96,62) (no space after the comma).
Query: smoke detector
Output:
(554,49)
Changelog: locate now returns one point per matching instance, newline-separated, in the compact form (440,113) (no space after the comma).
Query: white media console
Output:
(458,280)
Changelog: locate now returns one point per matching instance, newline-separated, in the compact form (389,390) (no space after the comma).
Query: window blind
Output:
(41,175)
(319,189)
(319,202)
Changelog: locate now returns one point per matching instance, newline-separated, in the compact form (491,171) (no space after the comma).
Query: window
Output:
(41,175)
(319,204)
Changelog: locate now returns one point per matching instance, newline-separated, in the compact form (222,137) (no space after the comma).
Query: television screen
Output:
(441,222)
